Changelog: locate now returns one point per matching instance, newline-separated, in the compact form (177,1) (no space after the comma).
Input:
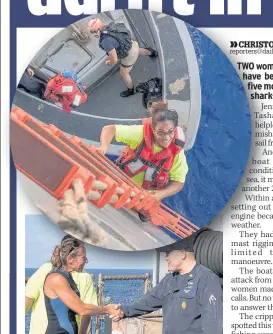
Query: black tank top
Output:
(61,319)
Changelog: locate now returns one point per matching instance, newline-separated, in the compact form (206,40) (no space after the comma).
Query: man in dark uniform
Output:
(190,296)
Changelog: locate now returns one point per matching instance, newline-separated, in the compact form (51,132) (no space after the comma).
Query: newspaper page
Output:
(250,213)
(214,60)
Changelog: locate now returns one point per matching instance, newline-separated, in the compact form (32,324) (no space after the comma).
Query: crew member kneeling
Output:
(115,39)
(154,156)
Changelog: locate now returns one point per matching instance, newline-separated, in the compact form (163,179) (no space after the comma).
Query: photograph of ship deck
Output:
(55,146)
(74,48)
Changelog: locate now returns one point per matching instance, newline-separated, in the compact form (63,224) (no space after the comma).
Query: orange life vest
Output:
(156,166)
(64,92)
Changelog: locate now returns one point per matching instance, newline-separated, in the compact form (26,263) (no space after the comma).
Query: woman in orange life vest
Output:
(154,156)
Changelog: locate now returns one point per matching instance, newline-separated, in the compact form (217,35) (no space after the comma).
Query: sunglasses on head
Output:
(75,245)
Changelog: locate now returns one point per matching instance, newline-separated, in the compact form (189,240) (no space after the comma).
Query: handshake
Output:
(114,311)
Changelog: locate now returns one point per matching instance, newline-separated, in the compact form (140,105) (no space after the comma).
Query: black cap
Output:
(184,244)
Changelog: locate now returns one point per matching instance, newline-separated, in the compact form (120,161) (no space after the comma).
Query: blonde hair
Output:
(68,247)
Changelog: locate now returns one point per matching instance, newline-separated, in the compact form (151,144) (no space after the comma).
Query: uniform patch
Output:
(188,287)
(212,300)
(183,305)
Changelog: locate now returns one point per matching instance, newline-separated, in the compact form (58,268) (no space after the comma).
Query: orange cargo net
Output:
(53,160)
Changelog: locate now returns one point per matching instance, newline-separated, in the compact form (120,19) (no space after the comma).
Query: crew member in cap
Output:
(190,295)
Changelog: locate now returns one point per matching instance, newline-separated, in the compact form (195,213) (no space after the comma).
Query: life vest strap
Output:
(179,142)
(152,165)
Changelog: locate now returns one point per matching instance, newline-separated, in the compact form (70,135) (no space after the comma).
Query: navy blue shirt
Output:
(108,43)
(191,303)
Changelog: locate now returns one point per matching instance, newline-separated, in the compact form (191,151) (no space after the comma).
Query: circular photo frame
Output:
(130,129)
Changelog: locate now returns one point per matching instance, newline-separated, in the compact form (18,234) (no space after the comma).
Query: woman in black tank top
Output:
(62,297)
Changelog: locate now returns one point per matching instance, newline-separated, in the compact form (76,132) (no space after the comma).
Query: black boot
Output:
(143,218)
(153,54)
(128,92)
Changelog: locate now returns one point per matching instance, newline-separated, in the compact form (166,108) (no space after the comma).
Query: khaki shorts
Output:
(132,56)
